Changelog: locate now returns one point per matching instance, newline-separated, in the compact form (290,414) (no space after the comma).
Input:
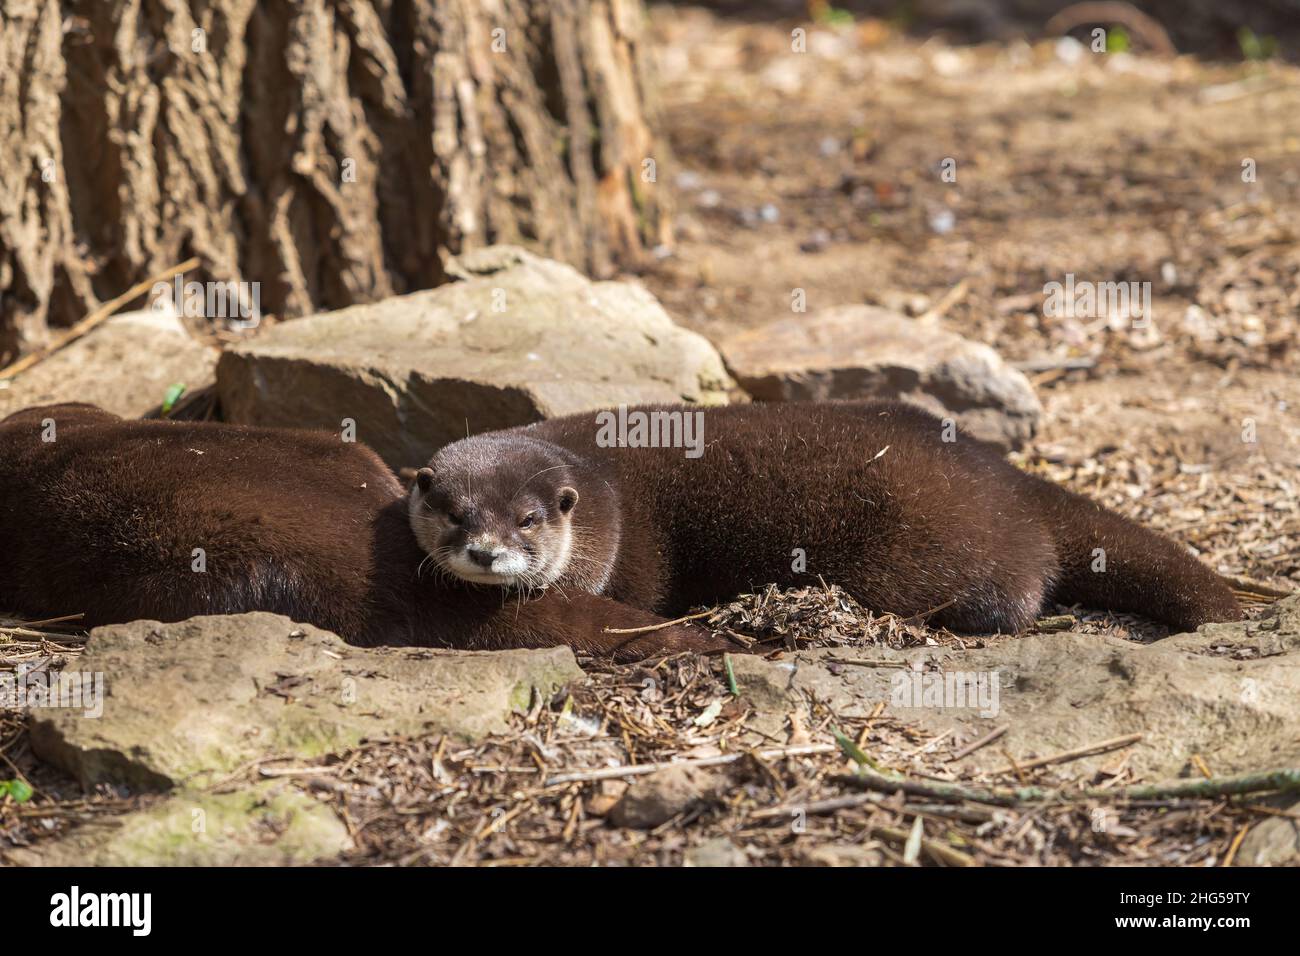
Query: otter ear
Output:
(568,498)
(424,478)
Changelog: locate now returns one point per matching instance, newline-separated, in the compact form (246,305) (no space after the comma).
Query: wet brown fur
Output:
(925,525)
(105,519)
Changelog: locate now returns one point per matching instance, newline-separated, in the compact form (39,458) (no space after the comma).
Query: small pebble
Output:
(1069,50)
(943,221)
(819,240)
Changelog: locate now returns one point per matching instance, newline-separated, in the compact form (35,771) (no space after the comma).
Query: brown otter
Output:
(123,520)
(128,519)
(869,494)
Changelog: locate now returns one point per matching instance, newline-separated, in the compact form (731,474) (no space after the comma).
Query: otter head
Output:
(496,509)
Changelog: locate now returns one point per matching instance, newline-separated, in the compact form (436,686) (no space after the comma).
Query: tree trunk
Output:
(334,151)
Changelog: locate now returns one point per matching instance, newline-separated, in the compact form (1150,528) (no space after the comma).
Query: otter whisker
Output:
(531,477)
(419,569)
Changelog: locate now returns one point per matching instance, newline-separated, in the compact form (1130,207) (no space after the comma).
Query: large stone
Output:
(124,366)
(865,352)
(1229,693)
(269,824)
(516,340)
(202,697)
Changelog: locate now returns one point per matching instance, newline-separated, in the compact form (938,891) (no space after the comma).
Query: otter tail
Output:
(1112,563)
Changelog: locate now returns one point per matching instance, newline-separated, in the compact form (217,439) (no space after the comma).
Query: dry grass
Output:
(431,801)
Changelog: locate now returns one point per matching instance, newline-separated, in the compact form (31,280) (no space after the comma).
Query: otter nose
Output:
(483,557)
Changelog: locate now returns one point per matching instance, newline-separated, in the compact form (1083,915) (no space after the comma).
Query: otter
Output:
(546,535)
(124,520)
(866,495)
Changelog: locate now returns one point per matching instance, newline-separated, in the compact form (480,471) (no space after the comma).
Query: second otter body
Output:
(869,496)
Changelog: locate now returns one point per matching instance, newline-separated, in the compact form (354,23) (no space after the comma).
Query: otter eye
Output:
(454,518)
(528,520)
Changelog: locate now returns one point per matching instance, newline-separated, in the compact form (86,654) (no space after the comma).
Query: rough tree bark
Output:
(333,150)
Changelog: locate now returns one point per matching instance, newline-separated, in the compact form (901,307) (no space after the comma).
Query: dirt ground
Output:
(821,171)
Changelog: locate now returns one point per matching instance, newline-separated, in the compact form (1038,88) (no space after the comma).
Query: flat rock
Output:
(1190,694)
(768,686)
(866,352)
(186,701)
(838,855)
(1274,841)
(719,851)
(656,798)
(269,824)
(124,366)
(517,339)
